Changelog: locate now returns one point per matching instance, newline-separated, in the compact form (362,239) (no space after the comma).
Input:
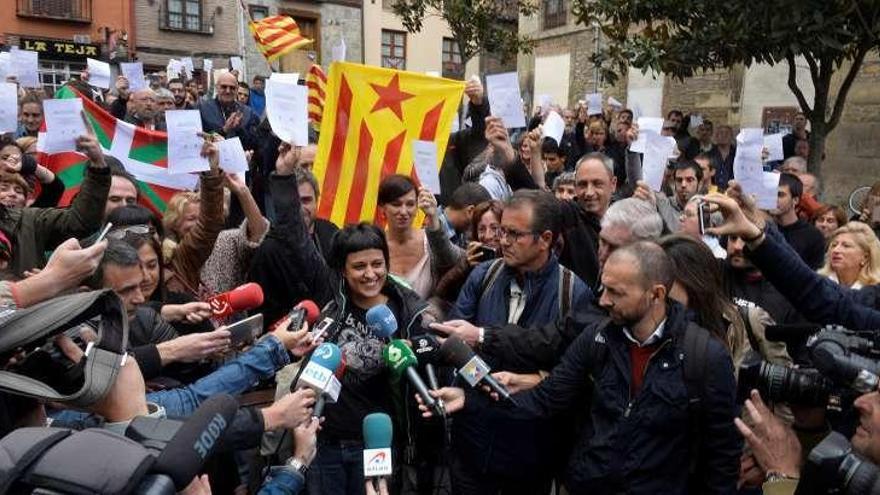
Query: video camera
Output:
(832,467)
(842,365)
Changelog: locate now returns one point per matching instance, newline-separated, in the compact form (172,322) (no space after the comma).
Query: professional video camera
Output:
(156,456)
(832,467)
(843,364)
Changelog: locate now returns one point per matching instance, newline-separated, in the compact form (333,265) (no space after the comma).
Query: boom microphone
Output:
(382,321)
(242,298)
(186,453)
(470,366)
(401,359)
(426,348)
(319,375)
(377,445)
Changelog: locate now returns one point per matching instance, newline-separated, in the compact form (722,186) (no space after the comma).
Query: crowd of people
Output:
(618,317)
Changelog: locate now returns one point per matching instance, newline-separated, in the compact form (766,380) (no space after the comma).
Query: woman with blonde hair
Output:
(853,256)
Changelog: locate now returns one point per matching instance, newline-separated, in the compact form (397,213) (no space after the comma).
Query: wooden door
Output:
(301,59)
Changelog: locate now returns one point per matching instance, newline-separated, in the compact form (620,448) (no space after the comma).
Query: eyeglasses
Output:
(120,233)
(514,235)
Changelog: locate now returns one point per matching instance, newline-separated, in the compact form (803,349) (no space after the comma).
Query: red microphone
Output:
(243,298)
(305,310)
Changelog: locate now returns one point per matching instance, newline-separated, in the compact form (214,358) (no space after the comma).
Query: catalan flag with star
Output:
(371,117)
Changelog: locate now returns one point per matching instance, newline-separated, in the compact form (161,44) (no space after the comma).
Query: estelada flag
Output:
(371,117)
(277,35)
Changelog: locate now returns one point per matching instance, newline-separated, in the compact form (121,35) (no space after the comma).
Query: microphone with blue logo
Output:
(377,445)
(320,375)
(381,321)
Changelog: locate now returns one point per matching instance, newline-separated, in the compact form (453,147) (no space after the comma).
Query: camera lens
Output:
(783,384)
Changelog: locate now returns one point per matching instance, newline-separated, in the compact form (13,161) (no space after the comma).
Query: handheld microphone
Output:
(242,298)
(382,321)
(470,366)
(306,310)
(319,375)
(197,439)
(377,445)
(401,359)
(426,348)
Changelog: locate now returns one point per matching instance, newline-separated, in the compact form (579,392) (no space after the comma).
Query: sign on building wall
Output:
(60,49)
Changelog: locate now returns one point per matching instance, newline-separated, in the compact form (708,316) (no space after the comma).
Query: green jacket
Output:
(33,231)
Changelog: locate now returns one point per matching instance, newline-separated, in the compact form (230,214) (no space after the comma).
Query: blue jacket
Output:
(257,102)
(213,121)
(282,480)
(817,298)
(540,289)
(639,445)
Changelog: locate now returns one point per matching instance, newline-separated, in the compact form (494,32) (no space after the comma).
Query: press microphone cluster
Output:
(320,375)
(471,367)
(427,349)
(402,360)
(381,321)
(242,298)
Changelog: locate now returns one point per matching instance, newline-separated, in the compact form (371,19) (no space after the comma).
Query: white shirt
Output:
(494,182)
(652,339)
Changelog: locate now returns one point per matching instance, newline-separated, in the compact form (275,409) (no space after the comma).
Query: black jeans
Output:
(467,481)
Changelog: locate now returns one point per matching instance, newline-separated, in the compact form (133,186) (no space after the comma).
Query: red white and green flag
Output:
(143,153)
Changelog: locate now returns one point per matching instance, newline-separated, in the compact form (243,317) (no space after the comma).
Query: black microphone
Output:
(426,348)
(790,332)
(470,366)
(197,439)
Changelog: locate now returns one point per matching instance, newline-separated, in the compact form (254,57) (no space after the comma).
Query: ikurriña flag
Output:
(370,118)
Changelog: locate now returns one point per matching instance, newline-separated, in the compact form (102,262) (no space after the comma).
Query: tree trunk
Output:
(818,122)
(818,133)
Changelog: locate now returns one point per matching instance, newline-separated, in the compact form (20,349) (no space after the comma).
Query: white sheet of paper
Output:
(64,123)
(545,101)
(173,69)
(25,64)
(184,143)
(505,100)
(748,168)
(8,107)
(5,66)
(657,152)
(751,136)
(647,126)
(594,103)
(208,66)
(773,143)
(337,53)
(425,161)
(232,157)
(134,72)
(285,77)
(188,66)
(696,121)
(554,127)
(614,103)
(238,65)
(287,110)
(99,73)
(767,197)
(645,102)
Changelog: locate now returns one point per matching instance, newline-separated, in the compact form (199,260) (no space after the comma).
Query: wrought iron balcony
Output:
(62,10)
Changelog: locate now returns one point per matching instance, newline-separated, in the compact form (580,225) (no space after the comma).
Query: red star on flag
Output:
(391,96)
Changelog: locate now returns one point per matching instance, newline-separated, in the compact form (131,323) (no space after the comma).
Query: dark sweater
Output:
(807,241)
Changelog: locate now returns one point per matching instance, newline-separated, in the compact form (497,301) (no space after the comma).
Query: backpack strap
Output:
(750,332)
(696,348)
(490,277)
(566,291)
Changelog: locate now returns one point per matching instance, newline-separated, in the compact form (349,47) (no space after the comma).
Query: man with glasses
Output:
(528,287)
(226,116)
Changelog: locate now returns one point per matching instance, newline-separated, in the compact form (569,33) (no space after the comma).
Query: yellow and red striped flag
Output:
(316,81)
(277,35)
(371,117)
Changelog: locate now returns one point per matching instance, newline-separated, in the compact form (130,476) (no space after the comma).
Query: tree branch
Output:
(840,100)
(793,85)
(814,69)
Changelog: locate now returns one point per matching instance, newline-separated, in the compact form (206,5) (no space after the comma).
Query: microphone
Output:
(470,366)
(242,298)
(401,359)
(319,375)
(377,445)
(426,348)
(306,310)
(382,321)
(196,440)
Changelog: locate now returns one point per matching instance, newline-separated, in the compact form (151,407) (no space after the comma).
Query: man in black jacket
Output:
(645,435)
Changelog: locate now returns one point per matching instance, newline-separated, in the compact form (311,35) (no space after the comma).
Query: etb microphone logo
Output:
(377,462)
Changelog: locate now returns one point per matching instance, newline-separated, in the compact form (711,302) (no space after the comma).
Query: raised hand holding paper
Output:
(24,67)
(99,73)
(425,160)
(232,156)
(8,107)
(647,126)
(188,66)
(287,110)
(505,100)
(773,143)
(657,152)
(594,104)
(134,72)
(747,165)
(554,127)
(338,51)
(184,143)
(64,124)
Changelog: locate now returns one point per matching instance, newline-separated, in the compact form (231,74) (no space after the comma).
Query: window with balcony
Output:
(67,10)
(258,12)
(393,49)
(554,13)
(184,15)
(452,66)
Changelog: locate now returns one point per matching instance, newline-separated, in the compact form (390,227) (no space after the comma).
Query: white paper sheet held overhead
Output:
(232,156)
(64,124)
(615,103)
(554,127)
(645,102)
(287,110)
(545,101)
(238,65)
(134,72)
(647,126)
(748,168)
(425,161)
(768,194)
(8,107)
(505,100)
(208,68)
(594,103)
(285,77)
(5,66)
(773,143)
(188,66)
(99,73)
(658,149)
(695,121)
(337,53)
(184,143)
(24,67)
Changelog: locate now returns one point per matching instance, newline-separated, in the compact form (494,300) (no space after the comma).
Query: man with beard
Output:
(142,110)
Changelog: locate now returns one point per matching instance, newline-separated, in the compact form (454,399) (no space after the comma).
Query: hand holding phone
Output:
(487,253)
